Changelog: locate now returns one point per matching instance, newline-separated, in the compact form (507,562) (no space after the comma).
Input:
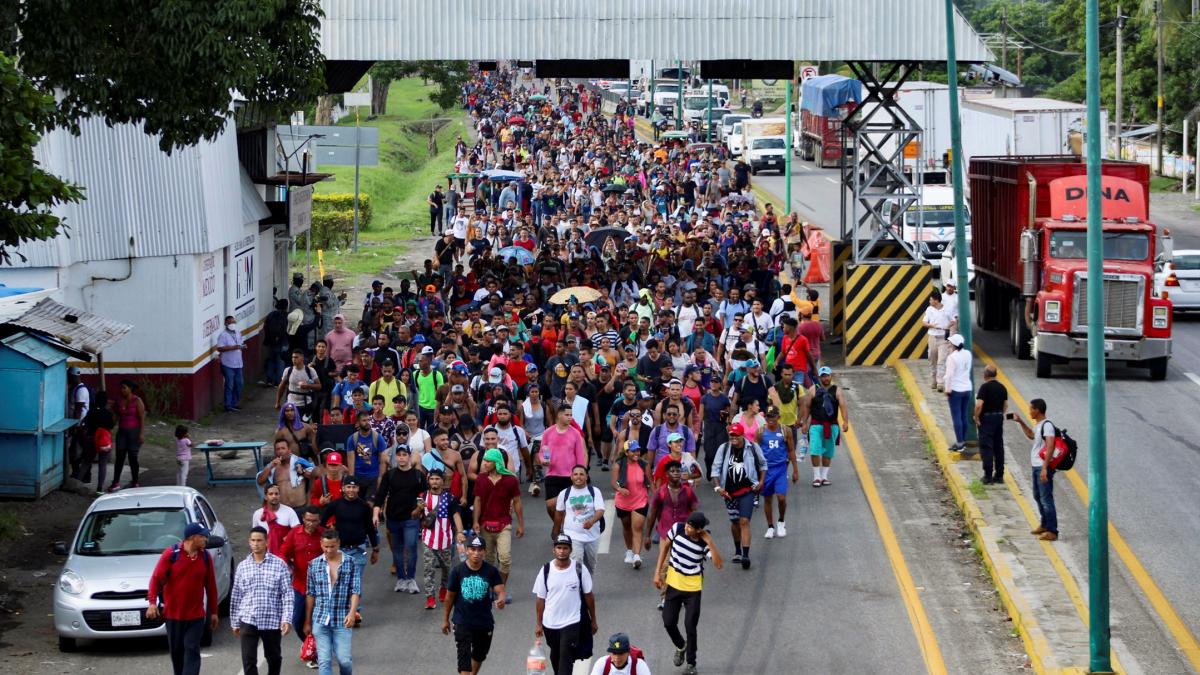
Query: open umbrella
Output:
(618,188)
(580,293)
(516,119)
(500,175)
(537,97)
(597,237)
(523,256)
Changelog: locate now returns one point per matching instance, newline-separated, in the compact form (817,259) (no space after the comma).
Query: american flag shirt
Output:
(441,534)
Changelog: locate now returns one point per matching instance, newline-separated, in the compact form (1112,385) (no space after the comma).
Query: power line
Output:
(1041,46)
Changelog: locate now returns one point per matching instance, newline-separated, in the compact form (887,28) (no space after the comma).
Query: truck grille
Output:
(1123,295)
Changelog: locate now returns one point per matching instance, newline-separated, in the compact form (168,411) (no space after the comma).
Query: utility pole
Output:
(708,132)
(1158,135)
(956,168)
(679,97)
(787,155)
(1121,18)
(1004,43)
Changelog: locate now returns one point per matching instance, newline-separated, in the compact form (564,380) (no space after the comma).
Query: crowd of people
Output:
(601,330)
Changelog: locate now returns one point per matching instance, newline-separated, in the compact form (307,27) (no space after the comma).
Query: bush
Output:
(343,201)
(331,229)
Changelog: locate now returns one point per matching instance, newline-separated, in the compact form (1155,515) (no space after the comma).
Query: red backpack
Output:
(635,655)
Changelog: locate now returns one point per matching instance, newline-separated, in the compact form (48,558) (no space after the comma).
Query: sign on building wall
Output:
(242,283)
(300,210)
(210,312)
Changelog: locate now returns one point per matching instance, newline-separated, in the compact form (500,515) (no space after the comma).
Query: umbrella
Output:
(502,175)
(537,97)
(597,237)
(580,293)
(615,187)
(516,119)
(523,256)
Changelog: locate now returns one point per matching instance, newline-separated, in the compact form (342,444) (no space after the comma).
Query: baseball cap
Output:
(736,429)
(457,389)
(633,445)
(676,436)
(752,363)
(418,339)
(431,288)
(562,539)
(645,395)
(333,459)
(403,447)
(377,282)
(772,411)
(825,370)
(349,480)
(426,350)
(73,371)
(956,340)
(447,409)
(476,542)
(495,375)
(618,644)
(698,520)
(194,529)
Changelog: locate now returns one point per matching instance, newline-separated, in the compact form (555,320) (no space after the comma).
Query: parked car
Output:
(727,122)
(1179,279)
(101,593)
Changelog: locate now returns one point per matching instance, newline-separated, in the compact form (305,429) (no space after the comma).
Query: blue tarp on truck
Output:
(824,94)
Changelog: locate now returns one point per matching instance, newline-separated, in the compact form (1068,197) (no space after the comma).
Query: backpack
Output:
(208,565)
(827,400)
(1065,450)
(635,655)
(595,495)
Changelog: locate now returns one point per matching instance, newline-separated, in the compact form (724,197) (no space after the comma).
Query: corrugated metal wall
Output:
(827,30)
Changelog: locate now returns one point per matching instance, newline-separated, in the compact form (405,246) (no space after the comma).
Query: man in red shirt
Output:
(795,349)
(497,499)
(182,579)
(300,547)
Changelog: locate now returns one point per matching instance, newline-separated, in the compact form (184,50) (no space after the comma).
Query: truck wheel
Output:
(67,645)
(981,300)
(753,171)
(1020,332)
(1044,364)
(1158,368)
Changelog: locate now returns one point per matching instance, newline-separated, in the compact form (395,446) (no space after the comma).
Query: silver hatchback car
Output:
(101,593)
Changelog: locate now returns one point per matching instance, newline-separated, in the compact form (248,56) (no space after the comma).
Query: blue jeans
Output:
(233,386)
(1043,494)
(333,642)
(404,545)
(359,555)
(960,409)
(273,364)
(298,599)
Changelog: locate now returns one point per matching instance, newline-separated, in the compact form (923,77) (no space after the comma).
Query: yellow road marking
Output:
(1162,606)
(926,639)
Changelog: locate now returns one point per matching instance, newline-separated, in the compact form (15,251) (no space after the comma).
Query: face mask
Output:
(231,326)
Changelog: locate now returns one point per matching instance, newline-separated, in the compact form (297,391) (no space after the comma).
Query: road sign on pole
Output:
(808,72)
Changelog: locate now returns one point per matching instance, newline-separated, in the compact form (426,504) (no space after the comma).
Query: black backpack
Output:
(1072,448)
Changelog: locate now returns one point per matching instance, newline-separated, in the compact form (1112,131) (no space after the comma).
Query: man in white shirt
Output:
(1043,434)
(562,588)
(687,315)
(958,389)
(578,513)
(950,303)
(620,660)
(936,324)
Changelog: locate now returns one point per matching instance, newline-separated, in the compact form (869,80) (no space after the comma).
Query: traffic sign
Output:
(808,72)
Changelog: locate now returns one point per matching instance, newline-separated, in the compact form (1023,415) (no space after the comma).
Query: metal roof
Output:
(1031,104)
(665,30)
(35,348)
(75,329)
(254,208)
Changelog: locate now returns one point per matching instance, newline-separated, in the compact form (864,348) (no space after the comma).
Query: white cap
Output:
(426,350)
(496,375)
(956,340)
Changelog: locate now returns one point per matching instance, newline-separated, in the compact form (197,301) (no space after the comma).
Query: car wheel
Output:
(67,645)
(223,608)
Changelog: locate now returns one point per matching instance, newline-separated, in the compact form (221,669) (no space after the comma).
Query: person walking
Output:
(356,528)
(779,449)
(300,548)
(936,322)
(497,501)
(631,487)
(260,605)
(683,553)
(131,422)
(475,587)
(230,345)
(620,660)
(397,500)
(738,471)
(958,390)
(276,518)
(1043,434)
(441,521)
(673,502)
(991,402)
(183,591)
(827,406)
(578,513)
(566,607)
(562,449)
(333,590)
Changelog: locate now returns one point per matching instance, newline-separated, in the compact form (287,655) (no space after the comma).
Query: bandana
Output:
(496,457)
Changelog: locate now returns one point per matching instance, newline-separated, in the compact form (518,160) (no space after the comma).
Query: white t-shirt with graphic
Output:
(578,505)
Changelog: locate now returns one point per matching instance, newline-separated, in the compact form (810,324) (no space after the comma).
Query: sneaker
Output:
(678,660)
(816,482)
(533,489)
(399,586)
(661,603)
(825,481)
(746,562)
(770,533)
(311,665)
(736,560)
(628,557)
(637,561)
(413,587)
(781,530)
(604,465)
(430,603)
(441,595)
(114,487)
(690,669)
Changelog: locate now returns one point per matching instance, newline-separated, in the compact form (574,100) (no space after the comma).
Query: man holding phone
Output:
(991,403)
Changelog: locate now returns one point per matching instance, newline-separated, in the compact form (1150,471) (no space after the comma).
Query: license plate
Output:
(1108,345)
(122,619)
(772,161)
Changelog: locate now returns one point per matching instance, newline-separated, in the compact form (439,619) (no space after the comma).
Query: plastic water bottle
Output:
(537,663)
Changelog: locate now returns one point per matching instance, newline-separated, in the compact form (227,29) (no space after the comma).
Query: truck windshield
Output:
(933,218)
(1117,245)
(766,144)
(699,103)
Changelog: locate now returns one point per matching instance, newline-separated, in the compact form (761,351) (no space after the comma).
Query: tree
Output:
(382,74)
(450,76)
(171,66)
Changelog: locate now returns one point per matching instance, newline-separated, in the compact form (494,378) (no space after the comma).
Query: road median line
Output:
(1037,645)
(923,630)
(1183,636)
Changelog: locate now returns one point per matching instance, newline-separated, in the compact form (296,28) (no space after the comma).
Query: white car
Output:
(101,593)
(1179,280)
(948,268)
(733,140)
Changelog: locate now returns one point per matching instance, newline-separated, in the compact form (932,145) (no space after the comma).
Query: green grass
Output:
(977,489)
(1164,184)
(404,177)
(1195,207)
(10,526)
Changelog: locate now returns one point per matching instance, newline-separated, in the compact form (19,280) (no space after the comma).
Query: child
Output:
(183,454)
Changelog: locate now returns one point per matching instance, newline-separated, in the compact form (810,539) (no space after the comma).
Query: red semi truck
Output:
(825,103)
(1029,247)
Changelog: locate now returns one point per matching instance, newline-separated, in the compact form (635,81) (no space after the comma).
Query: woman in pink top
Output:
(631,482)
(131,418)
(562,451)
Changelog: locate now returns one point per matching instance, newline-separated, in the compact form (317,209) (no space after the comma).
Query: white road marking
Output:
(835,182)
(606,535)
(1193,377)
(806,167)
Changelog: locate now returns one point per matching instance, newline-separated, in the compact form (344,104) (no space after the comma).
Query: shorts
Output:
(741,506)
(473,645)
(818,445)
(555,485)
(606,434)
(622,513)
(776,481)
(366,489)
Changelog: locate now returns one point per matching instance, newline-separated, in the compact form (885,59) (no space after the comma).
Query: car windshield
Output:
(699,102)
(130,532)
(767,143)
(1185,262)
(730,120)
(1117,245)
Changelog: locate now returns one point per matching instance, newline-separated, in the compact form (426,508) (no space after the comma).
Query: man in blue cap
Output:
(822,424)
(622,659)
(181,580)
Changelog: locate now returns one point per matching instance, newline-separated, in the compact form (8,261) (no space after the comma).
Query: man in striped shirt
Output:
(436,509)
(260,607)
(684,549)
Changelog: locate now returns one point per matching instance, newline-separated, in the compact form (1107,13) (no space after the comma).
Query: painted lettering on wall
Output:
(210,314)
(244,282)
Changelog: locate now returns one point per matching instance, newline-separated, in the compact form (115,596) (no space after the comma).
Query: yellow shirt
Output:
(684,582)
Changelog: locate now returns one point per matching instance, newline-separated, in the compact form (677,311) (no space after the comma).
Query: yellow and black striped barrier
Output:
(884,307)
(843,256)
